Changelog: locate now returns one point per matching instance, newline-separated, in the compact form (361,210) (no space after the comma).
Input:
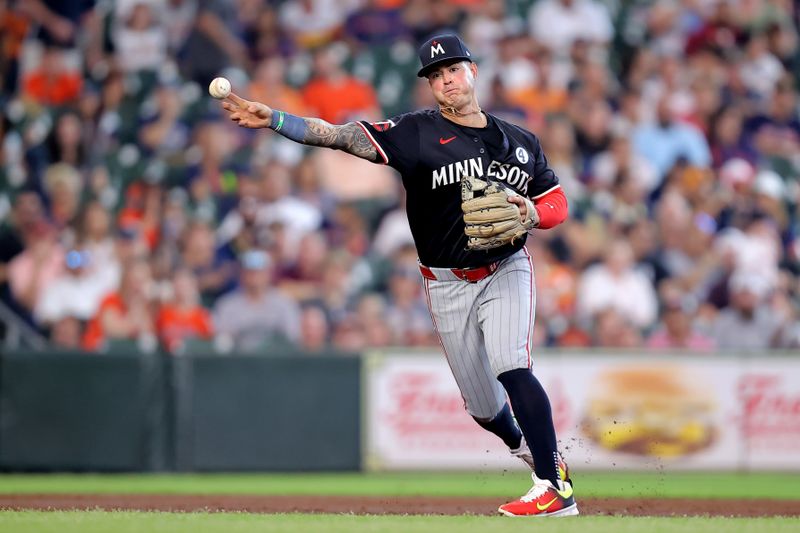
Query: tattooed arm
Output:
(348,137)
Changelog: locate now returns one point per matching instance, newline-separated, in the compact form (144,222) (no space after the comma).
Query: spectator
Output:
(27,218)
(267,37)
(32,271)
(719,32)
(13,29)
(348,335)
(65,333)
(238,229)
(140,212)
(174,220)
(489,23)
(677,332)
(511,66)
(669,82)
(593,133)
(77,292)
(310,188)
(725,137)
(425,18)
(393,232)
(269,82)
(760,70)
(665,30)
(64,186)
(182,317)
(559,23)
(617,284)
(757,249)
(667,141)
(214,42)
(370,318)
(66,143)
(562,155)
(313,23)
(776,134)
(164,132)
(375,24)
(140,36)
(769,196)
(178,17)
(620,159)
(556,286)
(303,280)
(256,315)
(748,324)
(503,107)
(59,22)
(215,273)
(335,96)
(406,312)
(127,314)
(612,330)
(546,95)
(339,289)
(278,205)
(53,83)
(314,329)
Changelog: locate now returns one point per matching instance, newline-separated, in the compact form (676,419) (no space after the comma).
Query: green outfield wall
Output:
(134,412)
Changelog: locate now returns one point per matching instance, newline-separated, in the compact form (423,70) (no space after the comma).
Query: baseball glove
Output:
(490,220)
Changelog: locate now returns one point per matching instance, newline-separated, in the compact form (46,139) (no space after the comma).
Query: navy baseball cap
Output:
(440,49)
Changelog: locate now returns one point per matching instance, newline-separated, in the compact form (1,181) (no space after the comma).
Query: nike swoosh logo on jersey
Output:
(445,141)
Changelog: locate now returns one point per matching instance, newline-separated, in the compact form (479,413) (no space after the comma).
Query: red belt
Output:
(472,275)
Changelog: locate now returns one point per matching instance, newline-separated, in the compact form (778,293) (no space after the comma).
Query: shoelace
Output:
(538,489)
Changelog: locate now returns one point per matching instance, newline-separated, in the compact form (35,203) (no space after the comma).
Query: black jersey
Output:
(432,154)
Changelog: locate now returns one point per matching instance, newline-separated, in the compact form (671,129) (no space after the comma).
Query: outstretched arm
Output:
(348,137)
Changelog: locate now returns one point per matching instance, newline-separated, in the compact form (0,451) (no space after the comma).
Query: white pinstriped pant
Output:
(485,328)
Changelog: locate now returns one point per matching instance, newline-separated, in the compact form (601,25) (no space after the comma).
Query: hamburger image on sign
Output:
(661,412)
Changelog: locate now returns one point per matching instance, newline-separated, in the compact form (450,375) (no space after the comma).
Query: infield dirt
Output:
(362,505)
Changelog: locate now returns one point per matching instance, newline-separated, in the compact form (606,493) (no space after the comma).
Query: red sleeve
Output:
(552,208)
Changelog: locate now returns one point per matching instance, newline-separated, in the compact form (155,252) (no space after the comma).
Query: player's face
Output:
(454,84)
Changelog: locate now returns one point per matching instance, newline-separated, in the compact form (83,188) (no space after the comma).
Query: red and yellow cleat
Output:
(543,500)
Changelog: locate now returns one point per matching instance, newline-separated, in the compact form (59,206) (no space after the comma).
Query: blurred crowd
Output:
(133,211)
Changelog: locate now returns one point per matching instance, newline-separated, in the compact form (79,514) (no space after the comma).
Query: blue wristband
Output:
(288,125)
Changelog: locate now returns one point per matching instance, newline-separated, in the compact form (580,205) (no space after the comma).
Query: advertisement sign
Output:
(416,418)
(768,394)
(640,412)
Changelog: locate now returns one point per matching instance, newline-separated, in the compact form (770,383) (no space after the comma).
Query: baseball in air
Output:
(219,88)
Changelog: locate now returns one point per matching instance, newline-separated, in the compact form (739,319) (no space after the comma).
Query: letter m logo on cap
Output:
(436,48)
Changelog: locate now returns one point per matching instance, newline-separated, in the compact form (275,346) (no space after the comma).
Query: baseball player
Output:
(476,184)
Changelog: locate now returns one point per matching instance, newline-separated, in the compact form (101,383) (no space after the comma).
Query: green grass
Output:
(453,484)
(494,484)
(130,522)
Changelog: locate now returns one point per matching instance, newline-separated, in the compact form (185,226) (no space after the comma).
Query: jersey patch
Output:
(383,125)
(522,155)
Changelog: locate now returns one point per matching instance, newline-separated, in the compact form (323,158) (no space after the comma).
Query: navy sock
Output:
(532,409)
(503,426)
